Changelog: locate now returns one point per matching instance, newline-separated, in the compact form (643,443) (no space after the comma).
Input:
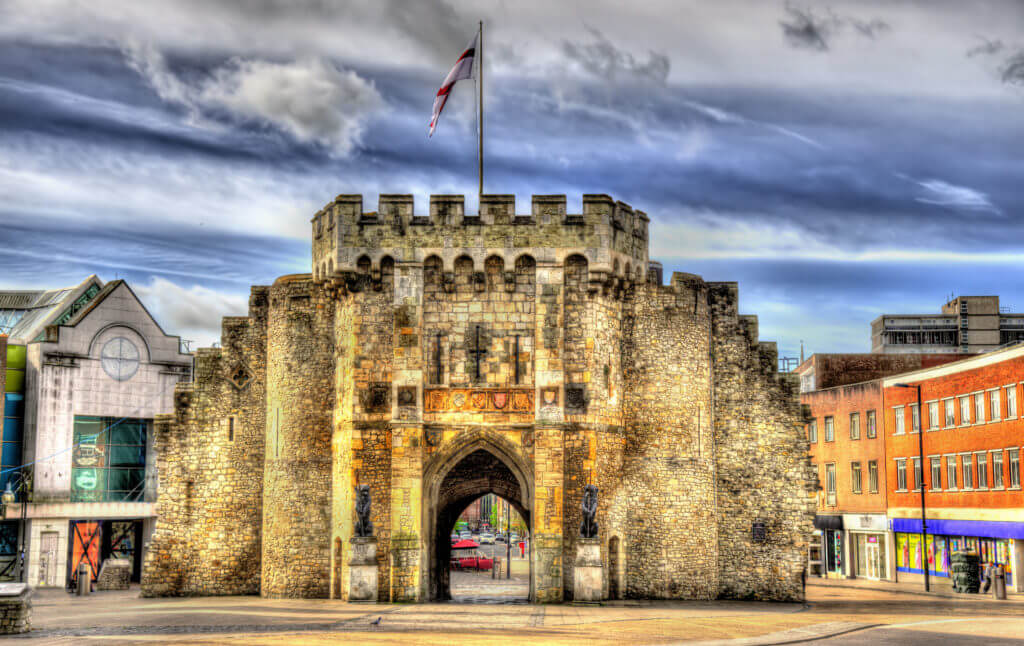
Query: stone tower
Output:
(437,358)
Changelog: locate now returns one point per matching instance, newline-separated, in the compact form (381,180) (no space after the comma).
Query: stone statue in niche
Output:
(588,528)
(364,527)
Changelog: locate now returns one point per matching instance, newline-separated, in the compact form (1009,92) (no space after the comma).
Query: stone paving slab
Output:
(121,617)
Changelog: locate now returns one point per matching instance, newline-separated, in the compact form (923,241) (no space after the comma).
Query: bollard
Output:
(494,566)
(999,583)
(84,579)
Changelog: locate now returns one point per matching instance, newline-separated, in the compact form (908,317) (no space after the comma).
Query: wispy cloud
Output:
(942,193)
(602,58)
(194,311)
(310,99)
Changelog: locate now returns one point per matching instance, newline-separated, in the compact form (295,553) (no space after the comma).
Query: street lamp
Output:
(920,484)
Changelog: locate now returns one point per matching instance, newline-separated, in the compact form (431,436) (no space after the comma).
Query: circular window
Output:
(120,358)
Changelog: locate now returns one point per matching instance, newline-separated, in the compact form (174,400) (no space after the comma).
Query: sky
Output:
(839,160)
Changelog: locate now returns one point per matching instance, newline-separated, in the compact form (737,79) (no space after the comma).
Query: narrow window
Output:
(872,427)
(830,484)
(993,405)
(933,415)
(918,474)
(965,410)
(900,421)
(854,426)
(951,472)
(997,469)
(812,432)
(855,477)
(1011,402)
(967,472)
(981,463)
(1013,462)
(936,462)
(950,413)
(901,474)
(231,429)
(979,408)
(830,429)
(873,476)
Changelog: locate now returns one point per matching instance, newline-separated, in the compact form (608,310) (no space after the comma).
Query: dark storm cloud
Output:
(986,48)
(807,29)
(803,28)
(602,58)
(1012,71)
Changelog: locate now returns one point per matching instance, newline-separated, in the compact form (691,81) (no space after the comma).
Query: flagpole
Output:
(480,126)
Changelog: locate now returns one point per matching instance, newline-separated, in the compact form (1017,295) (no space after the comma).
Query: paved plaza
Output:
(833,614)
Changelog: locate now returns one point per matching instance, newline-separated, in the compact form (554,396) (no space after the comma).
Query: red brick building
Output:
(842,395)
(971,468)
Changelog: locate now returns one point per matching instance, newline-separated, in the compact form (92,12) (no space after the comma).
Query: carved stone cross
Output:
(437,361)
(477,353)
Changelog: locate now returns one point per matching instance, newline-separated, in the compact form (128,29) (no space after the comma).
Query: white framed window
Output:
(997,469)
(979,408)
(812,432)
(872,425)
(873,476)
(915,419)
(966,471)
(830,429)
(855,483)
(900,420)
(981,467)
(918,474)
(965,410)
(901,474)
(817,478)
(950,410)
(993,405)
(854,426)
(830,484)
(1013,467)
(951,473)
(933,415)
(936,464)
(1011,401)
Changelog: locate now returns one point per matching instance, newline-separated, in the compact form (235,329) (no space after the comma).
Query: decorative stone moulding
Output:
(240,376)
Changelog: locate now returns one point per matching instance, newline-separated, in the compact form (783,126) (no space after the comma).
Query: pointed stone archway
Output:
(471,466)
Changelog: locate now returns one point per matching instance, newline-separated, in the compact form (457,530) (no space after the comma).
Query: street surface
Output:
(835,614)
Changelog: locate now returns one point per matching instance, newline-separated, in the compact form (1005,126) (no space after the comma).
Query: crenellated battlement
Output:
(610,234)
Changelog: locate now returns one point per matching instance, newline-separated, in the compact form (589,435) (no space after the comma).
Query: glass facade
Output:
(109,459)
(14,415)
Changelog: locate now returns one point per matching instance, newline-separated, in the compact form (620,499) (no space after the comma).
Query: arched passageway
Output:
(462,479)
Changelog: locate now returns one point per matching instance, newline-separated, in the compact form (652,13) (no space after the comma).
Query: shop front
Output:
(833,544)
(866,533)
(998,543)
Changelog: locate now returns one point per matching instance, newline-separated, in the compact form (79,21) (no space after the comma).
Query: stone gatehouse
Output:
(440,357)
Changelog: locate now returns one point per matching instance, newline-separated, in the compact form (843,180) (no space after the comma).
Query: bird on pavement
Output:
(377,622)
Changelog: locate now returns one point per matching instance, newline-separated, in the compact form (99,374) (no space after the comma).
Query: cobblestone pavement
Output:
(855,615)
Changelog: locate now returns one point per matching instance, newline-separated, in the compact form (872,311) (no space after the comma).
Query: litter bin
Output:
(999,582)
(84,579)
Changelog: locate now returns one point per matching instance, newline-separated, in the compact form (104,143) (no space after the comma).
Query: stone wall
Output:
(209,459)
(763,473)
(664,510)
(300,427)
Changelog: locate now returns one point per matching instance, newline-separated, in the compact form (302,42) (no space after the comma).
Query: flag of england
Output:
(463,70)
